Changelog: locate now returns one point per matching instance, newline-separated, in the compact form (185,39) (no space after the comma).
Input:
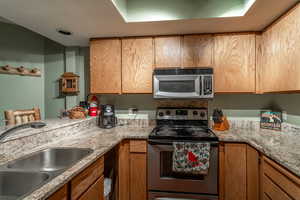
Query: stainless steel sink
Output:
(14,185)
(22,176)
(48,160)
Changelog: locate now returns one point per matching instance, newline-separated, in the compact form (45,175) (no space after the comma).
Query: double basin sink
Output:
(22,176)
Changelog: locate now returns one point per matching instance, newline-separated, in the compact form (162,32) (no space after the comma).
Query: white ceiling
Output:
(100,18)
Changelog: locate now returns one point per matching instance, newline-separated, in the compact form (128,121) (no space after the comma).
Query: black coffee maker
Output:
(107,117)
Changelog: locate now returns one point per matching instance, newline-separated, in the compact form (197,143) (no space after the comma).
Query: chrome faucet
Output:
(22,126)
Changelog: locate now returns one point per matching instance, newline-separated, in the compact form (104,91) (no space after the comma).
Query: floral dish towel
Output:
(191,157)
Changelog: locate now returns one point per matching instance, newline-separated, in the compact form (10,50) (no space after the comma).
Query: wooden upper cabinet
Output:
(137,65)
(167,51)
(234,63)
(197,51)
(281,54)
(105,66)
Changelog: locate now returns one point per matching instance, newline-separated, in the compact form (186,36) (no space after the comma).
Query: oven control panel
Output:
(182,114)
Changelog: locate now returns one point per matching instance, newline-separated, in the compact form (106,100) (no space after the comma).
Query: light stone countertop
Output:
(283,147)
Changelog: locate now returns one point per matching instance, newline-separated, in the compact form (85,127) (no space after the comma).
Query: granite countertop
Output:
(101,141)
(282,147)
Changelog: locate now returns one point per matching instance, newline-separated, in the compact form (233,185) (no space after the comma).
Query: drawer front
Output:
(138,146)
(287,182)
(273,191)
(86,178)
(95,192)
(61,194)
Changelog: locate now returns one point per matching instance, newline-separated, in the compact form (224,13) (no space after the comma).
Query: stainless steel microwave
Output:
(178,83)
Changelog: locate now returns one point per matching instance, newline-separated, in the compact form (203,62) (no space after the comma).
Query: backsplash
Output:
(235,106)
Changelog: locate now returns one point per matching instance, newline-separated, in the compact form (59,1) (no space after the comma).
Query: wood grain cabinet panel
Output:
(95,192)
(234,63)
(197,51)
(167,51)
(138,176)
(61,194)
(85,179)
(105,66)
(281,54)
(123,171)
(279,183)
(235,181)
(137,65)
(252,173)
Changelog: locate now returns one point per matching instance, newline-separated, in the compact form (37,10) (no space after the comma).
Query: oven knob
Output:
(161,114)
(168,112)
(195,112)
(202,114)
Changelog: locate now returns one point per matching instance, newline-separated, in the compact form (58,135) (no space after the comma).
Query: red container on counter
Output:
(93,111)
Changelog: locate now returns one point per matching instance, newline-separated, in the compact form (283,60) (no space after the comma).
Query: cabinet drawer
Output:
(279,176)
(95,192)
(61,194)
(138,146)
(272,191)
(86,178)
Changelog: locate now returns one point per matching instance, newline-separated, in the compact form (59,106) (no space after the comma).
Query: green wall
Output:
(234,105)
(20,47)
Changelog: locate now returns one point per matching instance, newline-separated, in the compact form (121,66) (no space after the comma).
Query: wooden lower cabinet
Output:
(239,172)
(88,185)
(132,170)
(95,192)
(61,194)
(277,183)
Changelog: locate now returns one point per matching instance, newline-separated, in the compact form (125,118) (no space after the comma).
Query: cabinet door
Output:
(95,192)
(234,63)
(105,67)
(252,173)
(61,194)
(235,183)
(167,51)
(137,65)
(281,50)
(197,51)
(138,176)
(123,171)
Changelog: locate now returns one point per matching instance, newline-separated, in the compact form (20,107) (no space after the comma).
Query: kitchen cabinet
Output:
(234,63)
(61,194)
(281,54)
(239,172)
(278,183)
(197,51)
(88,185)
(137,65)
(87,178)
(167,51)
(105,66)
(132,168)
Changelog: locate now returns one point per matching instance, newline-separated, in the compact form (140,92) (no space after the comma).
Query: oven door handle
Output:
(156,142)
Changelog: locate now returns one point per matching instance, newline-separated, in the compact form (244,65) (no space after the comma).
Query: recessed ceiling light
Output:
(64,32)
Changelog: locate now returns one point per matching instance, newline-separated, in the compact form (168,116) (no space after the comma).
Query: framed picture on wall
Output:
(271,120)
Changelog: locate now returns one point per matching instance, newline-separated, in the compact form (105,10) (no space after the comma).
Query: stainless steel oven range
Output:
(180,124)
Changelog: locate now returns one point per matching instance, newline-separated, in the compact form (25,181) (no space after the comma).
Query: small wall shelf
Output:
(20,71)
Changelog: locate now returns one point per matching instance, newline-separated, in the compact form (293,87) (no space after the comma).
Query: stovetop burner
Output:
(182,124)
(183,133)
